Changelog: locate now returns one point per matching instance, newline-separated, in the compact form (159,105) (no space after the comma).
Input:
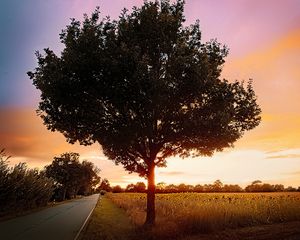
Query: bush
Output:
(102,192)
(22,188)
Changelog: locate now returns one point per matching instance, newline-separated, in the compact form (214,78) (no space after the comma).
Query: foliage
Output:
(117,189)
(139,187)
(102,192)
(145,87)
(217,186)
(183,214)
(22,188)
(258,186)
(105,185)
(90,178)
(72,177)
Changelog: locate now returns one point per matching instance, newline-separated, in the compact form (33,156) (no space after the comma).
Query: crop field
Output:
(195,213)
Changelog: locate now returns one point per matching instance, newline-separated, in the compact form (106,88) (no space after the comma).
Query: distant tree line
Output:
(22,188)
(217,186)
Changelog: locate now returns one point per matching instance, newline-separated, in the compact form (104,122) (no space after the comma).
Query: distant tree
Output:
(184,188)
(232,188)
(208,187)
(198,188)
(140,187)
(160,187)
(89,177)
(256,182)
(117,189)
(71,176)
(279,188)
(105,185)
(65,170)
(130,188)
(258,186)
(290,189)
(145,87)
(255,186)
(266,187)
(217,186)
(171,188)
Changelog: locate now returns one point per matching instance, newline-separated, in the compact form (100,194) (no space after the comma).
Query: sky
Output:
(264,42)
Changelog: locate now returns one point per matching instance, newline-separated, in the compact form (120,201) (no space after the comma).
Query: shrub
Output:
(22,188)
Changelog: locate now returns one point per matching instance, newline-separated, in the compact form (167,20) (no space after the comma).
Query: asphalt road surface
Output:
(61,222)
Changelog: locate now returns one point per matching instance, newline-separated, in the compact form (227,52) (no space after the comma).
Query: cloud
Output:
(172,173)
(285,156)
(287,153)
(294,173)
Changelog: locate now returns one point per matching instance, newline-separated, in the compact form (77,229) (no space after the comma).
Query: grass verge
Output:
(108,222)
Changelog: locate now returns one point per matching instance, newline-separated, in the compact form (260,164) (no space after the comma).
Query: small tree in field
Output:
(145,87)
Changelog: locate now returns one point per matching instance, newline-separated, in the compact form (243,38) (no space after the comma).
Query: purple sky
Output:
(31,25)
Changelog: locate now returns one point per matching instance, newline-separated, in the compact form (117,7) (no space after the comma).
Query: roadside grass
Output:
(108,222)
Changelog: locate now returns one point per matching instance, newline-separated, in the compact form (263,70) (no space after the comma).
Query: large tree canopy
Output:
(145,87)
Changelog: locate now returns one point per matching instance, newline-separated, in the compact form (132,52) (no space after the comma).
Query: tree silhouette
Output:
(71,176)
(105,185)
(217,186)
(145,87)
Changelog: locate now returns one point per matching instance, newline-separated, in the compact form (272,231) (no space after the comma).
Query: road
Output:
(61,222)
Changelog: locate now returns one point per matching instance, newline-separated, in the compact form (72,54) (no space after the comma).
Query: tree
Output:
(71,176)
(89,177)
(65,170)
(130,187)
(278,188)
(232,188)
(117,189)
(183,188)
(290,189)
(160,187)
(198,188)
(171,188)
(145,87)
(140,187)
(256,182)
(105,185)
(217,186)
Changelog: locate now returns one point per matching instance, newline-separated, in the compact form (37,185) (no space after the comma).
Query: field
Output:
(183,214)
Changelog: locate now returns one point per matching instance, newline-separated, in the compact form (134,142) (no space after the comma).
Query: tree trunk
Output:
(150,219)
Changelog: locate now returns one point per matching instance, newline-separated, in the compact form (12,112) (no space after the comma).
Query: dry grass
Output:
(108,222)
(193,213)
